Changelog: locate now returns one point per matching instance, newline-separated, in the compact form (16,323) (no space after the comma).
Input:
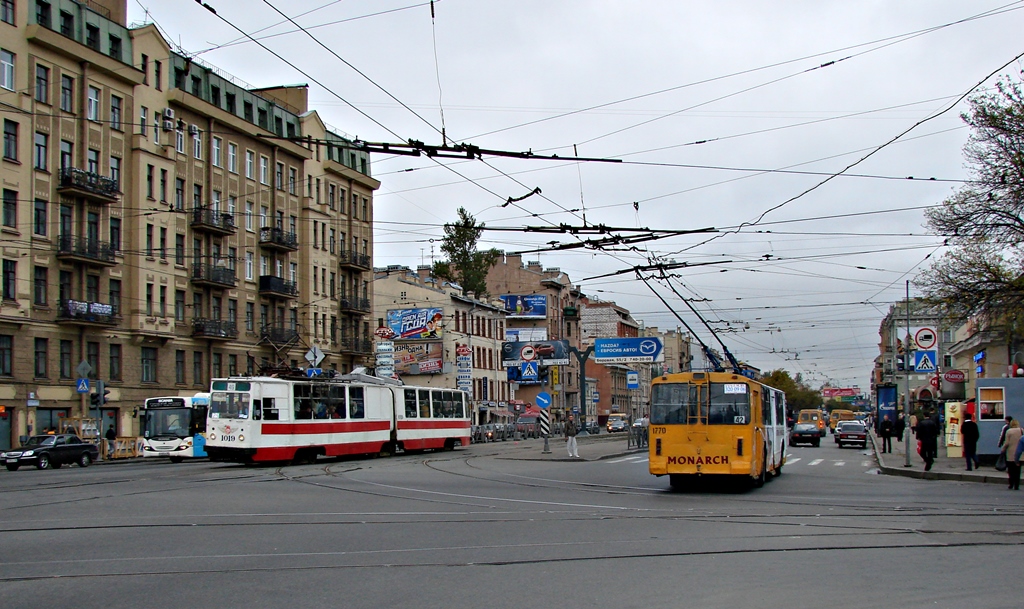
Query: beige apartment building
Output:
(162,221)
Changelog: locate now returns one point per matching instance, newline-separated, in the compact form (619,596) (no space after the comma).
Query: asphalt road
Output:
(478,528)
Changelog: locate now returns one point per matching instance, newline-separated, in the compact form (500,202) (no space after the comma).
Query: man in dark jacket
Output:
(928,435)
(885,430)
(898,428)
(970,432)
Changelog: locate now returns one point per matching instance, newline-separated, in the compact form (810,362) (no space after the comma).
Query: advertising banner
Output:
(415,324)
(886,403)
(418,358)
(628,350)
(839,392)
(545,353)
(525,335)
(525,306)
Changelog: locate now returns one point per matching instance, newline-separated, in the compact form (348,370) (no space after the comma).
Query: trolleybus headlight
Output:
(241,438)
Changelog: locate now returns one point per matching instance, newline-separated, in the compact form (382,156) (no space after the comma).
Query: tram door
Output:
(6,416)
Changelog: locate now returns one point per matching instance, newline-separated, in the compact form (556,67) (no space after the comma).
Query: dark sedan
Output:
(852,432)
(51,451)
(805,433)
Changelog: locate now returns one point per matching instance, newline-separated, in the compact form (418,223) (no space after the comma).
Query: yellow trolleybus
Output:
(716,423)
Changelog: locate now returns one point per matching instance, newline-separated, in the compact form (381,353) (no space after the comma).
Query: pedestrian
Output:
(1016,462)
(899,427)
(970,432)
(1010,441)
(928,436)
(885,430)
(570,438)
(1002,432)
(111,437)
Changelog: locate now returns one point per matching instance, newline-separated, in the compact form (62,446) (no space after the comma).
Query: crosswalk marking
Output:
(839,463)
(865,463)
(630,458)
(788,460)
(815,462)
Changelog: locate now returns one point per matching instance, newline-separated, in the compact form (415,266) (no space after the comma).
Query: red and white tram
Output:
(265,419)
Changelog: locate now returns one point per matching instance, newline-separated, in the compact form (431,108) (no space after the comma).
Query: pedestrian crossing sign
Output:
(529,371)
(924,361)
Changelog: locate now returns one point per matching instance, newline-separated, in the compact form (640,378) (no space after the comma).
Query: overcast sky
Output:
(783,95)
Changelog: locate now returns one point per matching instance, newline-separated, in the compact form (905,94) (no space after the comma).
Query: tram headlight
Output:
(241,438)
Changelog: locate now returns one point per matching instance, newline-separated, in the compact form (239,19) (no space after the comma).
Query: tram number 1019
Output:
(224,438)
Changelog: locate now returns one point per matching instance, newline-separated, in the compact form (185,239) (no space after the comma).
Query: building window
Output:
(197,367)
(6,355)
(93,106)
(10,140)
(264,169)
(41,145)
(292,179)
(248,215)
(163,243)
(179,249)
(232,365)
(115,112)
(7,70)
(157,70)
(149,364)
(197,144)
(115,171)
(179,194)
(249,265)
(232,157)
(114,47)
(65,359)
(115,296)
(115,234)
(250,164)
(279,177)
(92,355)
(67,24)
(43,13)
(10,280)
(149,240)
(163,185)
(7,11)
(216,151)
(115,362)
(67,93)
(250,313)
(93,161)
(149,300)
(39,220)
(42,84)
(179,305)
(163,302)
(197,196)
(39,285)
(179,141)
(66,154)
(217,365)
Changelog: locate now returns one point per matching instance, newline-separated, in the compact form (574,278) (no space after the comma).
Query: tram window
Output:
(319,395)
(303,404)
(460,405)
(424,403)
(436,404)
(336,403)
(674,404)
(410,404)
(269,408)
(448,408)
(729,404)
(355,403)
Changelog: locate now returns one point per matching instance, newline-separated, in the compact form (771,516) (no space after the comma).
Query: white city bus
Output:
(174,426)
(282,418)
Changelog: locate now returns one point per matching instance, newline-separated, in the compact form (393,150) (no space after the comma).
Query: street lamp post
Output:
(906,401)
(582,358)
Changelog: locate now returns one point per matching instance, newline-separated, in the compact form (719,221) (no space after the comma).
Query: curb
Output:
(910,472)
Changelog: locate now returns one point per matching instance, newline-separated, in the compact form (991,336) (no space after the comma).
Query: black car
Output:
(805,433)
(852,432)
(51,451)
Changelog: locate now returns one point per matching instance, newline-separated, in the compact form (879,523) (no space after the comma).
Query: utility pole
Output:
(906,401)
(582,358)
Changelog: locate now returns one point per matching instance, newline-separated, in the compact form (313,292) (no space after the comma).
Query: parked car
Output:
(805,433)
(851,432)
(641,422)
(51,451)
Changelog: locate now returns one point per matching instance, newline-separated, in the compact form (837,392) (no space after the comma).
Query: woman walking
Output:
(1013,436)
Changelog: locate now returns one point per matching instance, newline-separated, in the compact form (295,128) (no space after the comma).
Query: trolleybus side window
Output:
(225,405)
(270,410)
(673,404)
(729,404)
(355,403)
(424,403)
(410,404)
(766,407)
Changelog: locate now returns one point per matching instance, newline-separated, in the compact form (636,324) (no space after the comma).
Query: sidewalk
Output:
(944,468)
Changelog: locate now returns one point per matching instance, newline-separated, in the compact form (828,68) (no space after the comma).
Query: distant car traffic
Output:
(48,451)
(851,432)
(617,424)
(805,433)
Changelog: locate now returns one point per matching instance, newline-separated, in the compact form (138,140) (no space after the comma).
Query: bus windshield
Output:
(229,405)
(713,404)
(171,422)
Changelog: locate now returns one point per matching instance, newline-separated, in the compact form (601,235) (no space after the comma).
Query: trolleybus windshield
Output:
(687,404)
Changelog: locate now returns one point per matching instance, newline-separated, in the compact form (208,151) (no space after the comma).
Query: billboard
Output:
(418,358)
(628,350)
(415,324)
(545,353)
(525,306)
(525,335)
(839,392)
(886,395)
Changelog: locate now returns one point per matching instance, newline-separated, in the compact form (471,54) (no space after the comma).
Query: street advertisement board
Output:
(544,353)
(628,350)
(525,335)
(416,324)
(418,358)
(886,406)
(839,392)
(525,306)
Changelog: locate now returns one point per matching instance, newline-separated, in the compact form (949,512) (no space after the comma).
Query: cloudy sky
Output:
(725,115)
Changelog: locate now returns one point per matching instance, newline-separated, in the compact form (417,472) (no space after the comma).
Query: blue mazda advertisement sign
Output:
(628,350)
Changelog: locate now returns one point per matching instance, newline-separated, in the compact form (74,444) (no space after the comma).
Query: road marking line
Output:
(629,458)
(815,462)
(839,463)
(788,460)
(865,463)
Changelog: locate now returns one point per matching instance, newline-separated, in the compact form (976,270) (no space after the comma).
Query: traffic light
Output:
(98,399)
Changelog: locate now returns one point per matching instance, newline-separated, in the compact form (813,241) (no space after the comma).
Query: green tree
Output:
(465,266)
(798,395)
(983,221)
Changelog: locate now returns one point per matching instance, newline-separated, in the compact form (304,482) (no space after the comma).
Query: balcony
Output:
(213,275)
(278,334)
(212,221)
(355,345)
(84,249)
(214,329)
(278,239)
(93,186)
(275,286)
(352,260)
(83,313)
(353,305)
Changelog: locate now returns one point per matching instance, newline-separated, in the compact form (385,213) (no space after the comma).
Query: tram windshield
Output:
(229,405)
